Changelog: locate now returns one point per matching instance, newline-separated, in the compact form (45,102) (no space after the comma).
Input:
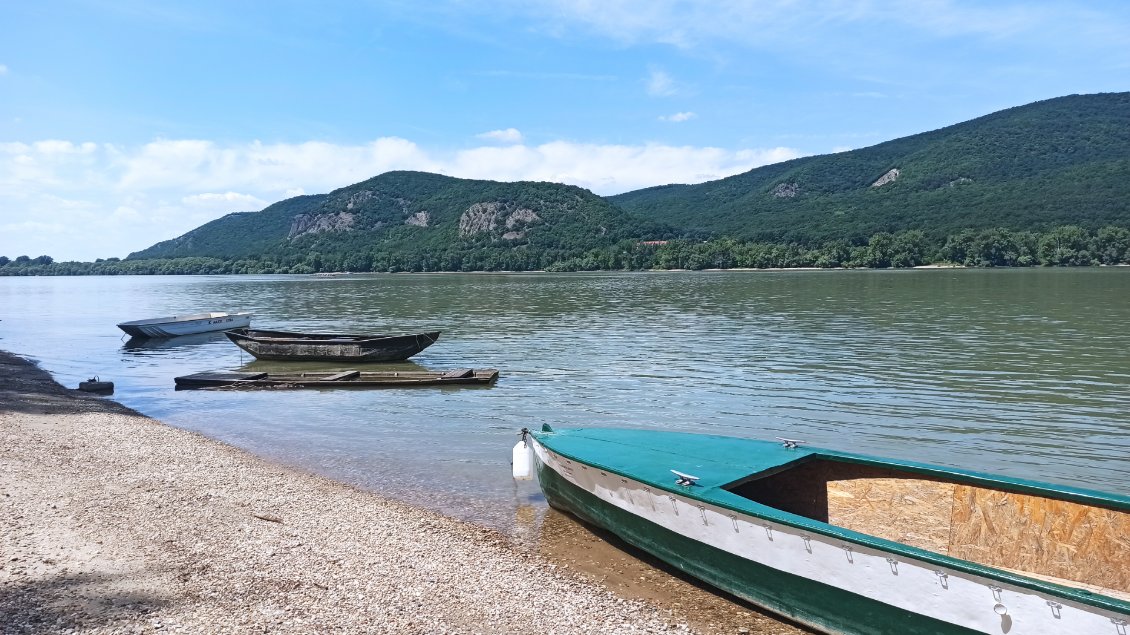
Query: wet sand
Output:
(114,522)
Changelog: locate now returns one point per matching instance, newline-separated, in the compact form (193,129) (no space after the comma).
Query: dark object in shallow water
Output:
(330,347)
(341,379)
(96,385)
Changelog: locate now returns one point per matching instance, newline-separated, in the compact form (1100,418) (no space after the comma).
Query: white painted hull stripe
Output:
(958,598)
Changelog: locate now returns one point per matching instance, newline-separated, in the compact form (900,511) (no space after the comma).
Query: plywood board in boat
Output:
(1051,537)
(1072,543)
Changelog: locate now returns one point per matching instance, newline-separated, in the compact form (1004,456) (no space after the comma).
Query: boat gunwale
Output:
(294,337)
(882,545)
(181,319)
(405,379)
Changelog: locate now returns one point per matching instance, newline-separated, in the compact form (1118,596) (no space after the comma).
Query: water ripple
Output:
(1022,373)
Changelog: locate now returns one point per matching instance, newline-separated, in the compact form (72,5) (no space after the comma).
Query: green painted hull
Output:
(806,601)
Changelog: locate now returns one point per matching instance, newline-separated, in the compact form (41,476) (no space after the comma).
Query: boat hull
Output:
(791,596)
(349,349)
(346,379)
(175,326)
(825,582)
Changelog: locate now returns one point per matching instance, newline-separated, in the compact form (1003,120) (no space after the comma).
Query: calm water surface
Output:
(1020,372)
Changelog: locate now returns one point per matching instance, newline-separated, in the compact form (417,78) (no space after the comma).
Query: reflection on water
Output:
(1019,372)
(159,345)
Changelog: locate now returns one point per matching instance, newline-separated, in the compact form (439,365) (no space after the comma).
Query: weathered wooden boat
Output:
(330,347)
(847,543)
(340,379)
(175,325)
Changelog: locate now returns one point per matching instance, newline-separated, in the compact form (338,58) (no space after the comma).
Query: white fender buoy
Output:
(523,461)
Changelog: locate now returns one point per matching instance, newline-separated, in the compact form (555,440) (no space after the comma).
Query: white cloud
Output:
(319,166)
(55,147)
(73,200)
(3,69)
(678,117)
(660,84)
(227,200)
(509,135)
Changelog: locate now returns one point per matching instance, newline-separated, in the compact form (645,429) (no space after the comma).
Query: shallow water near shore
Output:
(1023,372)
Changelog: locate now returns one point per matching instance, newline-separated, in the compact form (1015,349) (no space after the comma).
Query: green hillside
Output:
(417,221)
(236,235)
(1063,161)
(1042,184)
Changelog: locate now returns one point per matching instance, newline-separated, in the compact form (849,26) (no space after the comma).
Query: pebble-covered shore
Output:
(113,522)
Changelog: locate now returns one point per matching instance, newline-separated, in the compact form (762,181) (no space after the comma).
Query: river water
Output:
(1023,372)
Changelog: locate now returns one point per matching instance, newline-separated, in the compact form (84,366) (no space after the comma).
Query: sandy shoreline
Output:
(114,522)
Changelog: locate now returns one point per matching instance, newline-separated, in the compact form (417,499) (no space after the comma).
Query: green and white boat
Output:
(846,543)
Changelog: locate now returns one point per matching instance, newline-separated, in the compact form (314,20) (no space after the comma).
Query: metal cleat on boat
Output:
(686,480)
(790,443)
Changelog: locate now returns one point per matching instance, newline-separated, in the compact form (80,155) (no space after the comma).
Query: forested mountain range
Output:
(419,219)
(1046,183)
(1064,161)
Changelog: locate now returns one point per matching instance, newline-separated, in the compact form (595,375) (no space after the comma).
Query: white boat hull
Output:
(186,324)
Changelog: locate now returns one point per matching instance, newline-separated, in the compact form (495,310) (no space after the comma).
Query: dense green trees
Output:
(1057,162)
(414,215)
(1067,245)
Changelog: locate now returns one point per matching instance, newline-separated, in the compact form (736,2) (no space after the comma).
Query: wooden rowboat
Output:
(175,325)
(342,379)
(330,347)
(846,543)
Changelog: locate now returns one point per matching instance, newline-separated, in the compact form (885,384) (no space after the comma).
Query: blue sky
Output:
(123,123)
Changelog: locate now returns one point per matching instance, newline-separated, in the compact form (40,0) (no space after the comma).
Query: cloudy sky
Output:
(127,122)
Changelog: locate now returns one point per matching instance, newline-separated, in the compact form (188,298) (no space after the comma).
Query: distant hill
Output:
(1063,161)
(1047,183)
(413,216)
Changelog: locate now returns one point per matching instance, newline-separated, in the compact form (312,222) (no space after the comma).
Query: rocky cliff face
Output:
(490,217)
(419,219)
(348,211)
(786,190)
(890,177)
(358,199)
(317,223)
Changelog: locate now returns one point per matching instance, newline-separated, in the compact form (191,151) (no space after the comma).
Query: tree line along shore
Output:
(1063,246)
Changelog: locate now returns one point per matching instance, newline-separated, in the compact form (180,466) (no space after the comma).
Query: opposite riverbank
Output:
(114,522)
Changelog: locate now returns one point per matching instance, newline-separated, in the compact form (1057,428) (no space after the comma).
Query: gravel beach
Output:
(114,522)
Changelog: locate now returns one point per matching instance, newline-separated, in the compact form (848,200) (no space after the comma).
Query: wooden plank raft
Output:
(338,379)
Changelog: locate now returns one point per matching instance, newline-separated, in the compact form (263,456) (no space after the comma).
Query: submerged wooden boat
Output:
(341,379)
(330,347)
(846,543)
(175,325)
